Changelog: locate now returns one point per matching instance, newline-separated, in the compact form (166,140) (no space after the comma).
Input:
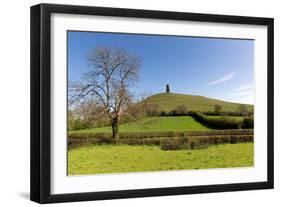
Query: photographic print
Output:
(130,103)
(149,102)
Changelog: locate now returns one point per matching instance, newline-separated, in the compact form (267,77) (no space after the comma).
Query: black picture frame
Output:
(41,97)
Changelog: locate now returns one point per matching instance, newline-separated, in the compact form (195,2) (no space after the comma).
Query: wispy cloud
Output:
(224,78)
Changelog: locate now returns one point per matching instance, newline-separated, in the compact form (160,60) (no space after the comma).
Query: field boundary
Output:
(187,141)
(86,135)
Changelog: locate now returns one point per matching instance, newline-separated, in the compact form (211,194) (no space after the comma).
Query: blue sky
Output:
(213,67)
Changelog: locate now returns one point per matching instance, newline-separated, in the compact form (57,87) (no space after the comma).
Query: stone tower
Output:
(167,88)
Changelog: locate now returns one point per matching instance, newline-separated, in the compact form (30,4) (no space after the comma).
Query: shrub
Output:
(203,141)
(105,140)
(198,144)
(147,134)
(209,113)
(224,113)
(76,124)
(248,123)
(146,141)
(72,143)
(86,135)
(221,132)
(182,143)
(152,109)
(163,113)
(181,110)
(217,123)
(174,144)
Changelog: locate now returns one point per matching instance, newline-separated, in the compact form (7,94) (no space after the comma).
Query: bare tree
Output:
(181,110)
(112,71)
(92,113)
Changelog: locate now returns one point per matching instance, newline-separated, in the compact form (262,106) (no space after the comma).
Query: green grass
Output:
(179,123)
(169,101)
(97,159)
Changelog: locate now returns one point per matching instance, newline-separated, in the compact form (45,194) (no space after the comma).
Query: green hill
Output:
(169,101)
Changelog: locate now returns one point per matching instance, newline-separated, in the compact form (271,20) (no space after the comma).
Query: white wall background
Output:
(14,102)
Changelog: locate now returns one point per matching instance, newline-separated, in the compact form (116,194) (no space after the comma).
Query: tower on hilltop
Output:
(167,88)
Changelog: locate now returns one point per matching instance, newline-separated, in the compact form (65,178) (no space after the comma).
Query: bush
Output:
(76,124)
(216,123)
(224,113)
(86,135)
(180,143)
(248,123)
(203,141)
(105,140)
(221,132)
(73,143)
(147,134)
(146,141)
(181,110)
(198,144)
(174,144)
(152,109)
(163,113)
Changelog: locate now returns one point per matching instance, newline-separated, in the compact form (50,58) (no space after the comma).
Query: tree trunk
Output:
(115,128)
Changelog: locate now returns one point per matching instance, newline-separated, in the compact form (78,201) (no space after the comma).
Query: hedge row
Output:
(219,123)
(223,122)
(221,132)
(125,135)
(248,123)
(226,113)
(129,141)
(203,142)
(166,143)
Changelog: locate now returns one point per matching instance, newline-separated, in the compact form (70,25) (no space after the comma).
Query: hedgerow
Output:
(217,123)
(203,141)
(248,122)
(167,143)
(129,135)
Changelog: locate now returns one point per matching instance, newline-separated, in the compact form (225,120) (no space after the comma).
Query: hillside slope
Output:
(169,101)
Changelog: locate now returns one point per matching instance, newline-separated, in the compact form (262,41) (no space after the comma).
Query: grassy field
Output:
(123,158)
(180,123)
(169,101)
